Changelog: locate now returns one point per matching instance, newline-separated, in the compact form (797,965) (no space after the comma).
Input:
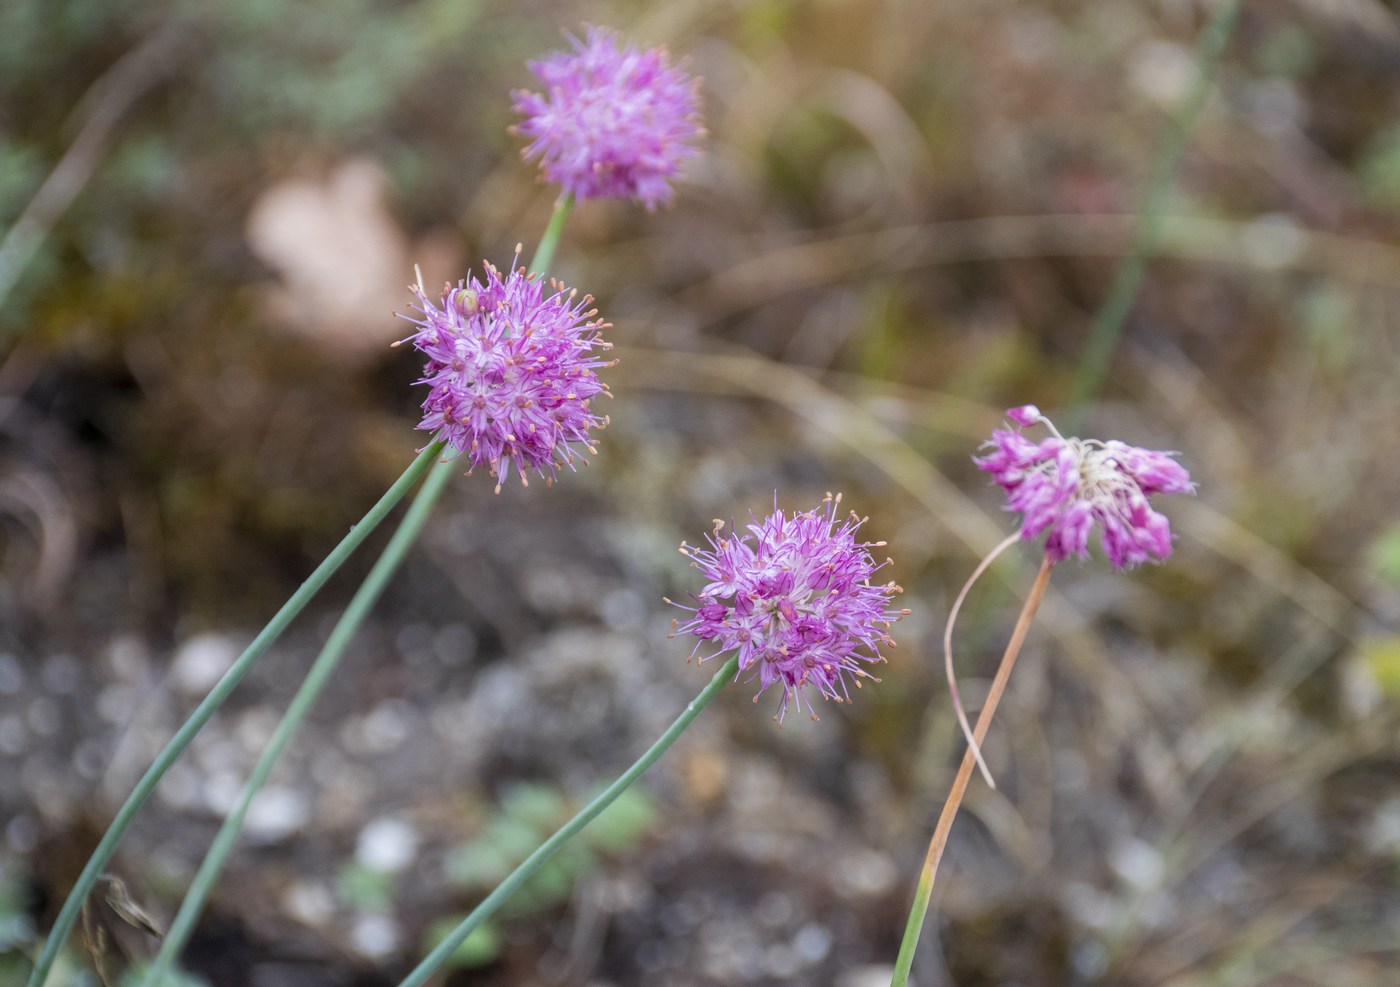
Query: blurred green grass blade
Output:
(340,637)
(68,915)
(1108,324)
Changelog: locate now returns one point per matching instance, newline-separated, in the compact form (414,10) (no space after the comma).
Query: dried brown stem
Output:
(984,721)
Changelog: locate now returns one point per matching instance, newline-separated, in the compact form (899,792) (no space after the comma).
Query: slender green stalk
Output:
(1108,323)
(324,666)
(68,915)
(544,253)
(919,909)
(532,863)
(320,673)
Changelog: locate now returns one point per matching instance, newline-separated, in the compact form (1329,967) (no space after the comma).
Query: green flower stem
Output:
(1108,324)
(544,253)
(551,846)
(72,907)
(365,598)
(924,889)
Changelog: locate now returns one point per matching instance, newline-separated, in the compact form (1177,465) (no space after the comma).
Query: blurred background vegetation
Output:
(904,220)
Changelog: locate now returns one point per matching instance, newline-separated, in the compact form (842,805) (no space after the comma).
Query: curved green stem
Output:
(570,829)
(72,907)
(345,629)
(544,253)
(1108,324)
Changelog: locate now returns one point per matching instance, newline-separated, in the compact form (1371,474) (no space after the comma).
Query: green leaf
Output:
(622,823)
(478,949)
(1385,555)
(542,807)
(365,888)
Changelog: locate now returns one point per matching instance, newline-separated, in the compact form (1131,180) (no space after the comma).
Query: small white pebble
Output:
(387,845)
(386,726)
(202,661)
(375,936)
(812,943)
(276,813)
(1163,71)
(22,834)
(867,976)
(309,903)
(1137,863)
(221,792)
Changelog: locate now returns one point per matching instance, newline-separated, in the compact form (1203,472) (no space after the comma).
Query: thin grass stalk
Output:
(72,907)
(1108,323)
(924,890)
(316,679)
(551,846)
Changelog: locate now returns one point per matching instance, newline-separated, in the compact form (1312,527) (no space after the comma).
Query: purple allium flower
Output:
(794,599)
(1066,486)
(510,371)
(613,122)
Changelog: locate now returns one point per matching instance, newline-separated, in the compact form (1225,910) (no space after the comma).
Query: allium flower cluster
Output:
(1067,486)
(510,372)
(613,122)
(794,599)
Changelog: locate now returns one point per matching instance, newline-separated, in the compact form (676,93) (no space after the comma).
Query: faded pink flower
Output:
(1067,486)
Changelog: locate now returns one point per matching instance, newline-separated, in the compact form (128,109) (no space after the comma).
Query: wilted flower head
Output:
(1066,486)
(613,122)
(793,597)
(510,371)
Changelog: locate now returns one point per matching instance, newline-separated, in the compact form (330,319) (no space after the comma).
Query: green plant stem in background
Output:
(919,909)
(72,907)
(1108,324)
(544,253)
(551,846)
(320,673)
(345,629)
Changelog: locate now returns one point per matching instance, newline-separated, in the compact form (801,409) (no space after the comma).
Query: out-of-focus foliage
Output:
(529,815)
(480,948)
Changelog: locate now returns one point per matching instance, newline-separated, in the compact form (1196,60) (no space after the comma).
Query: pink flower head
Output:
(510,371)
(613,122)
(793,597)
(1066,486)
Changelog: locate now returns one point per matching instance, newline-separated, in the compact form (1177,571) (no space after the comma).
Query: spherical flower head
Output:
(511,372)
(613,122)
(1067,486)
(794,599)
